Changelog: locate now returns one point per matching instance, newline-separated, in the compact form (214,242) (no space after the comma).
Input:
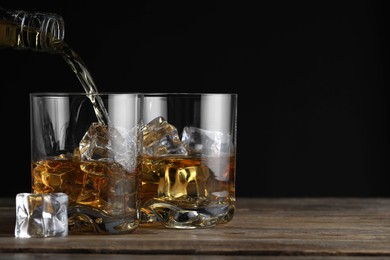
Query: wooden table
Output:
(263,228)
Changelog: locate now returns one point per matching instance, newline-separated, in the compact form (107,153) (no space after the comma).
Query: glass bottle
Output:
(31,30)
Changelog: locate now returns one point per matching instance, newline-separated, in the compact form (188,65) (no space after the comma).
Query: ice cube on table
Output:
(41,215)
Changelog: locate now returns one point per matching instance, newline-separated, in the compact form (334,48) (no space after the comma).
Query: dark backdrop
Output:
(312,79)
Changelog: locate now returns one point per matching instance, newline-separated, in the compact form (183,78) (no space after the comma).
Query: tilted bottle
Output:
(37,31)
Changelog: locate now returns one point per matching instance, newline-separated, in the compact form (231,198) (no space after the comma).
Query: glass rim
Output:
(63,93)
(187,93)
(82,93)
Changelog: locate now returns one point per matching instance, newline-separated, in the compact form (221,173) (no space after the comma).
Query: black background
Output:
(312,79)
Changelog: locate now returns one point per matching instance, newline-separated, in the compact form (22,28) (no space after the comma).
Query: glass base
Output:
(173,216)
(84,220)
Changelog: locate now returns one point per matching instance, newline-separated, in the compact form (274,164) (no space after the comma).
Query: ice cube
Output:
(41,215)
(105,143)
(205,142)
(161,138)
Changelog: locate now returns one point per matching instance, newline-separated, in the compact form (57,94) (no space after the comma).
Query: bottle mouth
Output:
(41,30)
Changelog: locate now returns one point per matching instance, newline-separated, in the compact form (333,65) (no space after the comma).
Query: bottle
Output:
(31,30)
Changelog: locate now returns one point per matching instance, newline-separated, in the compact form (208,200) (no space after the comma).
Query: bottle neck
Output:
(31,30)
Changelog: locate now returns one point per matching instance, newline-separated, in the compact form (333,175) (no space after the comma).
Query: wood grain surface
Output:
(270,228)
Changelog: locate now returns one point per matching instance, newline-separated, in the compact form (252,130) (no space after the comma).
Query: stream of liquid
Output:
(11,35)
(80,69)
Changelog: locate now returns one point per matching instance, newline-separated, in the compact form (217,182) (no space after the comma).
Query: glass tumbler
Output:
(88,147)
(188,159)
